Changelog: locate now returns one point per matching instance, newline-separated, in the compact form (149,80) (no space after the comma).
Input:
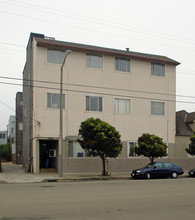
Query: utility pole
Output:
(61,140)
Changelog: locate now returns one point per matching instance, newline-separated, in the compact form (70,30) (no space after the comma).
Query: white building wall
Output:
(75,72)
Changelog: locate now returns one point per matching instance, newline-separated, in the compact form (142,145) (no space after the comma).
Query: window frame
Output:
(117,106)
(153,111)
(88,103)
(118,64)
(72,150)
(50,106)
(129,149)
(155,74)
(90,58)
(50,57)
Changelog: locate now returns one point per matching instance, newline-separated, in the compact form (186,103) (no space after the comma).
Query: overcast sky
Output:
(150,26)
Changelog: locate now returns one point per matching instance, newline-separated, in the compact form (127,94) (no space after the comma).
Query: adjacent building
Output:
(185,126)
(12,134)
(3,137)
(19,128)
(134,92)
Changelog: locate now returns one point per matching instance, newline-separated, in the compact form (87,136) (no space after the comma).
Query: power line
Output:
(10,44)
(98,21)
(96,87)
(96,31)
(7,105)
(99,93)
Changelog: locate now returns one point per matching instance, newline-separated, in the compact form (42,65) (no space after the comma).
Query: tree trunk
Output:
(104,173)
(151,159)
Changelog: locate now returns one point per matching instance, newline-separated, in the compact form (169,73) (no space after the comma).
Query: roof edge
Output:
(41,41)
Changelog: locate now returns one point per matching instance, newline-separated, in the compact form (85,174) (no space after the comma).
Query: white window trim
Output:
(118,113)
(55,109)
(160,77)
(55,64)
(94,68)
(154,115)
(93,95)
(120,71)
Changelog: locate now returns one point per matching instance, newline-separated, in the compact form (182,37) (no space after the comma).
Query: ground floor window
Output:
(75,150)
(130,151)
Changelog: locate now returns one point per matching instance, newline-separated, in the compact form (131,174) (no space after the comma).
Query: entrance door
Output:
(47,153)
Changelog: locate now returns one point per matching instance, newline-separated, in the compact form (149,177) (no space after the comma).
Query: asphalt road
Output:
(157,199)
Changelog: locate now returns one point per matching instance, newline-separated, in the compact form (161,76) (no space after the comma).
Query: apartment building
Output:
(134,92)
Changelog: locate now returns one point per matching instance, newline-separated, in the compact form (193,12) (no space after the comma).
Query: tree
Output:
(151,146)
(191,149)
(99,138)
(5,152)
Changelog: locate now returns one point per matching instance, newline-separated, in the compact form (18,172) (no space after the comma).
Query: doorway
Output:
(48,154)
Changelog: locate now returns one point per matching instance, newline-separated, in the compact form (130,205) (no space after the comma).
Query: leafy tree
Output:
(100,139)
(5,151)
(151,146)
(191,149)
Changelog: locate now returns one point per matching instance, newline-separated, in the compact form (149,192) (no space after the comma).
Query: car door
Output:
(168,167)
(157,170)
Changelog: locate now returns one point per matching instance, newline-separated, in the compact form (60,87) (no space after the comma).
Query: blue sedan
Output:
(157,170)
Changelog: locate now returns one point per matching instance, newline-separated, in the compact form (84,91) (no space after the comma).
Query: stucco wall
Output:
(181,142)
(94,165)
(75,72)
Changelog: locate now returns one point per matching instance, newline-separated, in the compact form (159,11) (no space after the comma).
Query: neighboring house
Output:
(185,126)
(3,137)
(134,92)
(12,134)
(19,128)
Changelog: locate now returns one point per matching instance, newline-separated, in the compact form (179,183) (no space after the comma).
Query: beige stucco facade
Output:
(138,85)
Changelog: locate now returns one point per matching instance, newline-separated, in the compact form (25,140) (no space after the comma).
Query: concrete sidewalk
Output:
(12,173)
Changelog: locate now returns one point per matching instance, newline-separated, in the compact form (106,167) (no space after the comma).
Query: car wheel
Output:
(147,175)
(174,175)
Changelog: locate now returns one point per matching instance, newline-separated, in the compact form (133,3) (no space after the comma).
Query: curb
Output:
(82,179)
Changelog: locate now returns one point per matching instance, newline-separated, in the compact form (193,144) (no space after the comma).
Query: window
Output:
(158,165)
(53,101)
(12,130)
(157,108)
(94,61)
(93,103)
(131,153)
(168,165)
(55,56)
(157,69)
(122,64)
(75,150)
(2,136)
(122,106)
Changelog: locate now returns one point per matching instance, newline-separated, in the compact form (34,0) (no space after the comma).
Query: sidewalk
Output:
(12,173)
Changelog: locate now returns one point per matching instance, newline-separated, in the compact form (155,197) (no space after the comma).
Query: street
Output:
(128,199)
